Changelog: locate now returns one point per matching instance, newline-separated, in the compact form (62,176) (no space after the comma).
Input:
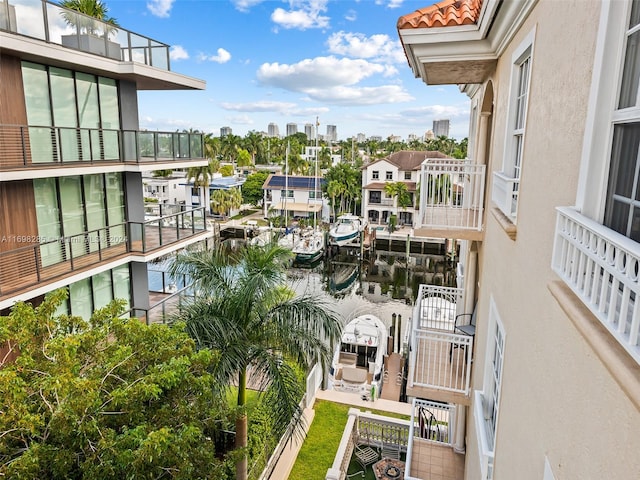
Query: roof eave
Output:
(464,54)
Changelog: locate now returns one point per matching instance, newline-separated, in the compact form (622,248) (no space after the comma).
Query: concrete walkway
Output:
(289,455)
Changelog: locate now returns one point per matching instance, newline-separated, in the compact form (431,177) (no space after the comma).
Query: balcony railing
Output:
(385,202)
(432,422)
(37,146)
(440,359)
(51,23)
(602,268)
(505,194)
(46,259)
(451,195)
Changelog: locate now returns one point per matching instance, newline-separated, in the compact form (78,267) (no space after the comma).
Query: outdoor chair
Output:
(464,323)
(390,451)
(365,455)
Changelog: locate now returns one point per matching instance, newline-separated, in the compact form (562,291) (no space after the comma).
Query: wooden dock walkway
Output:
(392,383)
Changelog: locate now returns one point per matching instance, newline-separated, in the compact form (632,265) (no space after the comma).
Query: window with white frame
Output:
(487,402)
(407,175)
(375,175)
(389,175)
(622,207)
(506,185)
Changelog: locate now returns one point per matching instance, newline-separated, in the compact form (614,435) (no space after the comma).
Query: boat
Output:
(358,360)
(342,278)
(309,246)
(261,236)
(346,229)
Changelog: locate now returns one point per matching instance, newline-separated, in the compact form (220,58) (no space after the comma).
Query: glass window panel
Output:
(109,109)
(102,293)
(631,75)
(115,207)
(73,214)
(88,108)
(96,212)
(635,15)
(36,94)
(63,99)
(122,284)
(80,298)
(48,216)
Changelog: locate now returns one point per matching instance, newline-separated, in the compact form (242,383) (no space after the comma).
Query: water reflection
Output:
(386,282)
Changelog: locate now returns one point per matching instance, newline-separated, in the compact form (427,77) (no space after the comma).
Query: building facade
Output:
(72,212)
(548,282)
(441,128)
(273,130)
(224,131)
(292,129)
(403,167)
(298,196)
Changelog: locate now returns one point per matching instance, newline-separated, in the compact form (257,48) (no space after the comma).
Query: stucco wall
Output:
(557,398)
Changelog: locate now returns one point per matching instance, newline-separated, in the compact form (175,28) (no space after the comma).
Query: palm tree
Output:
(400,194)
(92,8)
(223,201)
(261,329)
(201,177)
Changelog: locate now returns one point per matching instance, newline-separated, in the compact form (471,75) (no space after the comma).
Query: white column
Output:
(460,429)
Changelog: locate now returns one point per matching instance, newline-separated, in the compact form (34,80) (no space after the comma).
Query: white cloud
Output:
(177,52)
(351,16)
(360,95)
(320,72)
(160,8)
(444,111)
(222,56)
(394,3)
(304,14)
(379,47)
(245,5)
(260,106)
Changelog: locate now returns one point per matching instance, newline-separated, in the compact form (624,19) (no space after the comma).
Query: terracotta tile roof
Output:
(443,14)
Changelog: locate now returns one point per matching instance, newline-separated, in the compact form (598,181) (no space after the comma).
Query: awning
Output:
(297,207)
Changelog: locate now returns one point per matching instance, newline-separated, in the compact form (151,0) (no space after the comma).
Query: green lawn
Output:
(320,446)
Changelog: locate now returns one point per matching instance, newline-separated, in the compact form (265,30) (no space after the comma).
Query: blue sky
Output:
(289,62)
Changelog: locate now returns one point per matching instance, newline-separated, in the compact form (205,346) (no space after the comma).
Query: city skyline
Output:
(281,62)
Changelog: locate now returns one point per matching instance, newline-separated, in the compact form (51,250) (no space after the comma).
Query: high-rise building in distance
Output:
(441,128)
(292,129)
(332,133)
(309,131)
(224,131)
(273,130)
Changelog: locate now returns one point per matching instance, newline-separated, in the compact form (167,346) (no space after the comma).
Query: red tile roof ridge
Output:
(443,14)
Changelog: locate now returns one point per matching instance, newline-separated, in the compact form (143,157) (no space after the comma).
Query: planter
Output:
(93,44)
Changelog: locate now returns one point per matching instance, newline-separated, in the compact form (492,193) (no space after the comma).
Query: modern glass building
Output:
(72,212)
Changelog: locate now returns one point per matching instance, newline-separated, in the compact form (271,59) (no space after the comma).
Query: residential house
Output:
(199,196)
(170,189)
(403,166)
(299,196)
(549,352)
(72,212)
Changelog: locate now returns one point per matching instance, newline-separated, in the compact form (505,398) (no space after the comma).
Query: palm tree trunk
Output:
(241,426)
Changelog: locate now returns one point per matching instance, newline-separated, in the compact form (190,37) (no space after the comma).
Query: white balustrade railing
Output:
(431,363)
(430,421)
(451,194)
(371,429)
(436,307)
(505,194)
(602,267)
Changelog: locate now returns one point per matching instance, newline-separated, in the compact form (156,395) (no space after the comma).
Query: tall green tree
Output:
(252,191)
(247,314)
(92,8)
(201,177)
(108,398)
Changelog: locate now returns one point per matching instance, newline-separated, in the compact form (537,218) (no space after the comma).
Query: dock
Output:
(392,378)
